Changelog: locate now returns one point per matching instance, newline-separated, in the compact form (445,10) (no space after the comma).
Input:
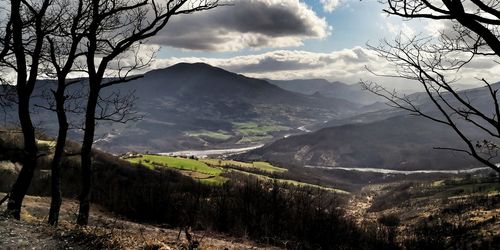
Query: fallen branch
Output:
(4,199)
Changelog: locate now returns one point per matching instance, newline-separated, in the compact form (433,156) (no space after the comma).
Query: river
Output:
(404,172)
(212,152)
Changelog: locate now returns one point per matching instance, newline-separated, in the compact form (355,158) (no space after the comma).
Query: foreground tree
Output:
(434,62)
(23,43)
(117,27)
(64,48)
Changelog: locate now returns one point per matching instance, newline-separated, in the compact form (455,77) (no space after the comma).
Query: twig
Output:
(4,199)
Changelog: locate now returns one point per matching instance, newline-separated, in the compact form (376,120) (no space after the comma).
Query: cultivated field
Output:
(215,171)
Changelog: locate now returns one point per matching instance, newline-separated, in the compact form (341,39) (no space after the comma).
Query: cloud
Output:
(395,27)
(246,24)
(329,5)
(347,65)
(436,27)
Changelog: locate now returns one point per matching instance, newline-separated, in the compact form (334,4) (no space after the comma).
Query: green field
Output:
(265,166)
(254,139)
(177,163)
(250,132)
(261,166)
(189,167)
(255,129)
(47,143)
(209,171)
(218,135)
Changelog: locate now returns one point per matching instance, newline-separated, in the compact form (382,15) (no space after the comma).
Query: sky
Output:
(293,39)
(278,39)
(296,39)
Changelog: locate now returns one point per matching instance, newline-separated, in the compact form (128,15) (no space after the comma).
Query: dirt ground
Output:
(105,231)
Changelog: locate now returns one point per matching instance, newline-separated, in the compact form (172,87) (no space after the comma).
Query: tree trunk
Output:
(56,201)
(20,187)
(86,157)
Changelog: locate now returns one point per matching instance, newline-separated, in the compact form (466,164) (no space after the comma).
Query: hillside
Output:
(105,231)
(168,192)
(197,106)
(143,201)
(336,89)
(388,139)
(459,213)
(403,142)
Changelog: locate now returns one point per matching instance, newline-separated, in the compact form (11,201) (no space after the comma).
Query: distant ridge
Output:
(388,138)
(335,89)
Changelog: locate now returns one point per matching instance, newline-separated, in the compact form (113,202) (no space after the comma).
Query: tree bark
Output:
(20,187)
(55,204)
(86,157)
(24,90)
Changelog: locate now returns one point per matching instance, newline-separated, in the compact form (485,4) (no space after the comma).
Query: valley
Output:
(175,110)
(250,124)
(318,130)
(221,148)
(216,111)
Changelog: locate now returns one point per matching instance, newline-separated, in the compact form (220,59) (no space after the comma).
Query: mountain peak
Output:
(192,65)
(185,66)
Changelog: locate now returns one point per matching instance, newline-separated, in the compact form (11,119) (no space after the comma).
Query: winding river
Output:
(211,152)
(403,172)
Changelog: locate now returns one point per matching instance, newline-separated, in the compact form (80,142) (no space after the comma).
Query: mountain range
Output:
(329,89)
(388,138)
(197,106)
(302,122)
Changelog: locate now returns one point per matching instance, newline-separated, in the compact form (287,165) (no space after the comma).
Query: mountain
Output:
(329,89)
(401,143)
(388,138)
(197,106)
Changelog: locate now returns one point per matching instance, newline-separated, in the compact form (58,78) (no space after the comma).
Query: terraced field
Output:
(210,171)
(260,166)
(189,167)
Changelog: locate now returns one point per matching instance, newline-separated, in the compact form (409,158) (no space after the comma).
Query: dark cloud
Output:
(247,23)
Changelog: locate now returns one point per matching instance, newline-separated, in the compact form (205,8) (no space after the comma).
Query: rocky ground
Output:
(105,231)
(25,235)
(468,211)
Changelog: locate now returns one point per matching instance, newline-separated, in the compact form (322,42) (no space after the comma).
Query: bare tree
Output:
(117,27)
(23,43)
(435,62)
(64,47)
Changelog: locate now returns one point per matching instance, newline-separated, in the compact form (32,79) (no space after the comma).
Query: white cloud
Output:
(330,5)
(436,27)
(347,65)
(395,27)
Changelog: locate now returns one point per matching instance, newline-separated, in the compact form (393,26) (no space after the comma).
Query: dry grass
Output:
(106,231)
